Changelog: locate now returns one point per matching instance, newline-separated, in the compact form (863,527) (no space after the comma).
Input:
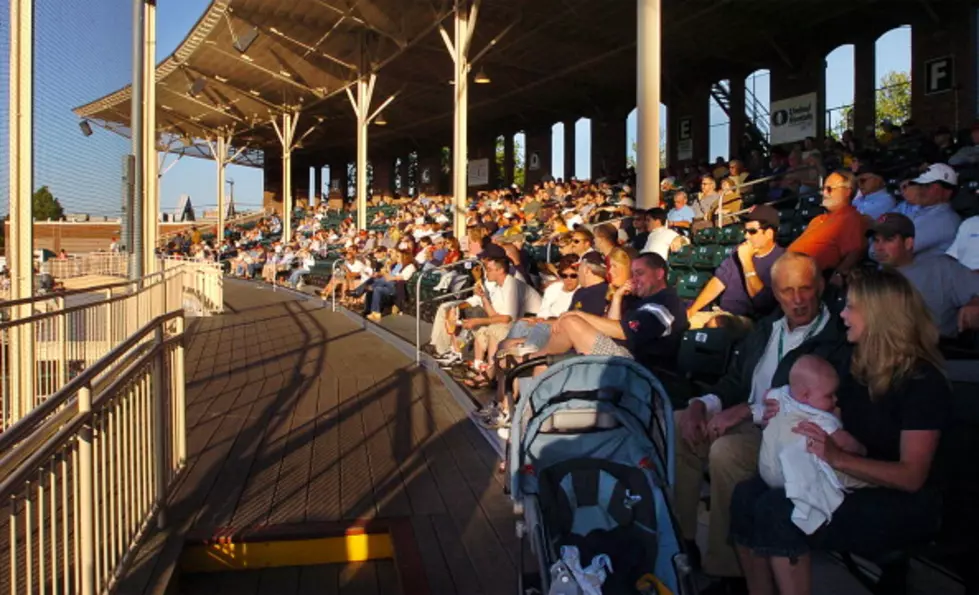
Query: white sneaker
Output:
(503,433)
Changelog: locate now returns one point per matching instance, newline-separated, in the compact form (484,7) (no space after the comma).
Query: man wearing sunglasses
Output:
(837,238)
(744,280)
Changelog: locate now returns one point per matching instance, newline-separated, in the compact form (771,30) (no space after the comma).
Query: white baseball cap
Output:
(938,172)
(627,202)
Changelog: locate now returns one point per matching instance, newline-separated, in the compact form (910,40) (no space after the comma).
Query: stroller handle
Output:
(548,360)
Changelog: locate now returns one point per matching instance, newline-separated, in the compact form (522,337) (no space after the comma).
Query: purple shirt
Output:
(735,297)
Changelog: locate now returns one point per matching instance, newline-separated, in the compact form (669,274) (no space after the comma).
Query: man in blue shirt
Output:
(926,203)
(873,200)
(681,215)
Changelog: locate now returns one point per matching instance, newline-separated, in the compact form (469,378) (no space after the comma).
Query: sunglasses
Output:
(752,232)
(832,188)
(569,275)
(579,241)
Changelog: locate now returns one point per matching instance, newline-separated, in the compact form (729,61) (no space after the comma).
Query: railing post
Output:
(108,320)
(86,495)
(159,440)
(63,339)
(179,395)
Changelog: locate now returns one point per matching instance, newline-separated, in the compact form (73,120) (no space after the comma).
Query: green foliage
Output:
(46,206)
(633,155)
(893,102)
(519,171)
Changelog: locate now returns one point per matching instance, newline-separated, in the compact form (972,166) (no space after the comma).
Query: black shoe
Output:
(726,586)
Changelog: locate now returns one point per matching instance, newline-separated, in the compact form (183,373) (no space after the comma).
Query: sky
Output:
(75,63)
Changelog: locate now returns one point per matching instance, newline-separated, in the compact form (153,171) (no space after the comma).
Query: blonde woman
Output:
(894,404)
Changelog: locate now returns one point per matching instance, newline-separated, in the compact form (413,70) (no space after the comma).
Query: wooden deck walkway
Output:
(297,415)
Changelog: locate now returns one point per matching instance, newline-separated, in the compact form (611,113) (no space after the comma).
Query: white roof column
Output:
(20,244)
(150,179)
(286,133)
(648,69)
(362,105)
(458,47)
(219,150)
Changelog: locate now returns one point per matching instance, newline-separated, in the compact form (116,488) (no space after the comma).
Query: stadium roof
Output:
(551,60)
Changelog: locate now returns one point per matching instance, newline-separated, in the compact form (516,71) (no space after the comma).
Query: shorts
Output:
(493,333)
(604,345)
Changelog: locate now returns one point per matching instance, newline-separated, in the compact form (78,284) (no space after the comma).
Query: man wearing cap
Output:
(965,248)
(927,203)
(836,239)
(873,200)
(950,290)
(744,279)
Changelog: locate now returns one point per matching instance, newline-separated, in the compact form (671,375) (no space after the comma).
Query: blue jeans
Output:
(296,275)
(382,289)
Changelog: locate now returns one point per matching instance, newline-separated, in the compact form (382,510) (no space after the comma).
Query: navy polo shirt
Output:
(654,326)
(591,300)
(735,299)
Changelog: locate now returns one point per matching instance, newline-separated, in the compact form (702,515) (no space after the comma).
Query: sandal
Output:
(476,383)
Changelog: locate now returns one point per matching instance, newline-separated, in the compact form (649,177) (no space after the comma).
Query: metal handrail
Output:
(418,299)
(16,432)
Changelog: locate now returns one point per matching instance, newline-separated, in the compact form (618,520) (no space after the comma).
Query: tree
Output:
(46,206)
(893,101)
(519,172)
(633,156)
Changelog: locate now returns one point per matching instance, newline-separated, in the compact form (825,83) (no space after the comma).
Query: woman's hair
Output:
(620,257)
(899,332)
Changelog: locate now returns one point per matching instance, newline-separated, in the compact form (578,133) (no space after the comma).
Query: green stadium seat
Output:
(704,353)
(732,234)
(673,276)
(710,257)
(683,258)
(691,282)
(707,235)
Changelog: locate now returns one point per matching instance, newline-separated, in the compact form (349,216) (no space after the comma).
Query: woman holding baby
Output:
(893,405)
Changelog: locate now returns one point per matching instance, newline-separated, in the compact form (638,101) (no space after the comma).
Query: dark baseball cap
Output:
(868,168)
(767,215)
(889,225)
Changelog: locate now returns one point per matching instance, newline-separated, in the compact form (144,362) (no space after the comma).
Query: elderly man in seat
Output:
(717,430)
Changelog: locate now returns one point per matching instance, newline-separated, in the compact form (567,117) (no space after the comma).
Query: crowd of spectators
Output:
(879,277)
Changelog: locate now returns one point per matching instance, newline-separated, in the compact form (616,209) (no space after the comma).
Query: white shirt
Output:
(515,299)
(659,241)
(555,302)
(761,378)
(359,267)
(965,247)
(406,272)
(814,487)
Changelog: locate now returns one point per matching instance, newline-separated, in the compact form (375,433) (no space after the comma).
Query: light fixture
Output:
(85,127)
(197,87)
(245,41)
(380,121)
(482,78)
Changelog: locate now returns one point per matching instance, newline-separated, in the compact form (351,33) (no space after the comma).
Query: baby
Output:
(815,488)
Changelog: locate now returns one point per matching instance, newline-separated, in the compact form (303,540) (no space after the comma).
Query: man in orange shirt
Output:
(837,239)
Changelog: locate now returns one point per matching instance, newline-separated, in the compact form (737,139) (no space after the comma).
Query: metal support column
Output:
(219,151)
(361,105)
(648,99)
(458,47)
(219,160)
(134,243)
(151,182)
(286,134)
(20,244)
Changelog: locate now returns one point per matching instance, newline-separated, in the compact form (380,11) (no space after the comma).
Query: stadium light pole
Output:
(21,241)
(648,76)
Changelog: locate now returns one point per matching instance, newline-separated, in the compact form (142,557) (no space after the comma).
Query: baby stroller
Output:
(590,464)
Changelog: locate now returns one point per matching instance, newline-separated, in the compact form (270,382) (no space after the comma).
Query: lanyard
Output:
(808,335)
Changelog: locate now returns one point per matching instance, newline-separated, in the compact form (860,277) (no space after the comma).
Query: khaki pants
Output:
(730,459)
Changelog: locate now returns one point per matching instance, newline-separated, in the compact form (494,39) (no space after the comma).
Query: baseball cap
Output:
(889,225)
(938,173)
(765,214)
(627,202)
(868,167)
